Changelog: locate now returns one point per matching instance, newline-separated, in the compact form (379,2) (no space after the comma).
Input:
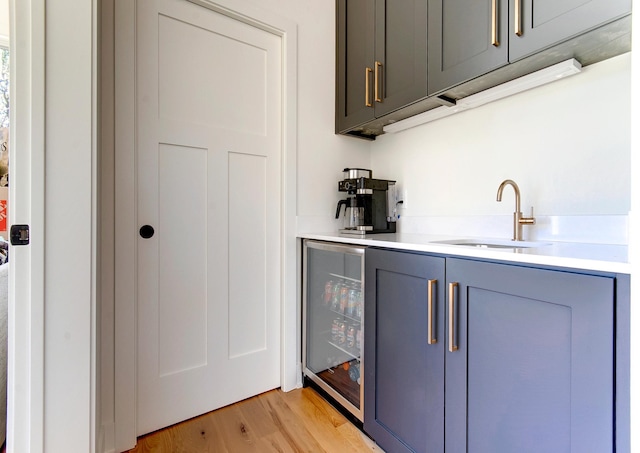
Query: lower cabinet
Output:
(404,391)
(523,358)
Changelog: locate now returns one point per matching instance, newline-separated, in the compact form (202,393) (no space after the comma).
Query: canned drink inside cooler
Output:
(351,336)
(328,292)
(342,334)
(353,302)
(335,327)
(335,296)
(344,299)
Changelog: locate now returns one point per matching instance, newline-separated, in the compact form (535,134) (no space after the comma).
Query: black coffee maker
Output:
(371,205)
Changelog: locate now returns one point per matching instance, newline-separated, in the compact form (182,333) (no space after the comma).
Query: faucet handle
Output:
(528,220)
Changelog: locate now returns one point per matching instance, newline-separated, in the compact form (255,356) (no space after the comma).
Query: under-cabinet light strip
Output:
(535,79)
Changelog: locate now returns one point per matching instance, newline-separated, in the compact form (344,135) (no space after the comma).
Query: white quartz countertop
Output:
(593,257)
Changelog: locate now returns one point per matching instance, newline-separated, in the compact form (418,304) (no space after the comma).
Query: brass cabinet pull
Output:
(367,90)
(431,286)
(377,84)
(452,294)
(518,17)
(494,23)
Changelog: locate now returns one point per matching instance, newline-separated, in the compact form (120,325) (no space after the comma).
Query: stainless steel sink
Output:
(492,244)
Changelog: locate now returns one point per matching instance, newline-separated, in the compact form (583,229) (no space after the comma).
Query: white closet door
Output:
(208,183)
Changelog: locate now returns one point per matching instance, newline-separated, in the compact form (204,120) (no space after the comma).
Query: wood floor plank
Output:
(288,424)
(323,421)
(235,432)
(273,422)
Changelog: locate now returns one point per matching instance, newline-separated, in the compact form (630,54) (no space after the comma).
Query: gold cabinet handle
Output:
(431,289)
(518,17)
(452,323)
(494,23)
(367,88)
(377,82)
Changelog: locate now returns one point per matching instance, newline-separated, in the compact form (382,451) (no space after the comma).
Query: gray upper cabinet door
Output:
(536,25)
(354,63)
(533,368)
(381,63)
(467,38)
(404,371)
(400,54)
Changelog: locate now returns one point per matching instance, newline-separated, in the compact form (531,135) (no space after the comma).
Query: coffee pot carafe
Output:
(353,212)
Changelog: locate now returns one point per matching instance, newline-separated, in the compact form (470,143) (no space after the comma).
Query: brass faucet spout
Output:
(516,189)
(518,218)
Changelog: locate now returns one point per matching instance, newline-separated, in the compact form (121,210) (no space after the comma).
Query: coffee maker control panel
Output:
(360,185)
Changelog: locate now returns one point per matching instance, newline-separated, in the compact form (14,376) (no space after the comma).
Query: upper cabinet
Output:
(466,39)
(536,25)
(355,46)
(381,58)
(396,59)
(471,38)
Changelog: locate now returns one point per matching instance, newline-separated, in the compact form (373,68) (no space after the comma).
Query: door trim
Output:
(125,206)
(25,395)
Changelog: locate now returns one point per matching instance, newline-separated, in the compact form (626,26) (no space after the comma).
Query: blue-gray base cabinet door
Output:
(404,392)
(529,361)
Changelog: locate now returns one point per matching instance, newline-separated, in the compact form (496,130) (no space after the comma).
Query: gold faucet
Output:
(518,219)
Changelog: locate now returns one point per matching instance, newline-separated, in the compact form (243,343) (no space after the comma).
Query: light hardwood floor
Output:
(296,421)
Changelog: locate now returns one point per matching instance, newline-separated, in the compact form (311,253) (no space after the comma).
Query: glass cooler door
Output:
(333,306)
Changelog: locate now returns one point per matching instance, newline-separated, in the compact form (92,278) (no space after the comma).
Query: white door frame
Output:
(25,388)
(125,218)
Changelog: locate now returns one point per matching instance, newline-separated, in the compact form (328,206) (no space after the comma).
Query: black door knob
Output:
(146,231)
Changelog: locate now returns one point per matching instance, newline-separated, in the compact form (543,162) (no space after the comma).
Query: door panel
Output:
(404,391)
(355,36)
(182,327)
(547,22)
(519,373)
(401,47)
(208,178)
(547,11)
(460,41)
(247,214)
(465,42)
(535,354)
(243,88)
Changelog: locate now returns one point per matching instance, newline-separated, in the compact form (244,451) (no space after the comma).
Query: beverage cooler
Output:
(333,321)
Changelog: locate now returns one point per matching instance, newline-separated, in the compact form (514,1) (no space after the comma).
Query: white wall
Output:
(321,154)
(566,144)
